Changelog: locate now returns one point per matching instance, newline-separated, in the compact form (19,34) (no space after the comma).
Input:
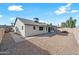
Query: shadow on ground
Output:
(7,45)
(25,47)
(28,48)
(10,47)
(50,34)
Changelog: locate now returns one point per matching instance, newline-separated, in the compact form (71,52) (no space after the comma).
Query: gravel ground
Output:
(57,44)
(45,44)
(8,45)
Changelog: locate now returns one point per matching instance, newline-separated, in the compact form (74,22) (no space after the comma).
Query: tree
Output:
(71,23)
(50,25)
(12,24)
(67,23)
(63,24)
(74,23)
(36,19)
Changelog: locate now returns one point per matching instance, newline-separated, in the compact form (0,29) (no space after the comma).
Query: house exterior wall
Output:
(29,31)
(18,28)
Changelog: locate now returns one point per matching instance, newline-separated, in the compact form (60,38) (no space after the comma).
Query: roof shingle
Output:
(30,22)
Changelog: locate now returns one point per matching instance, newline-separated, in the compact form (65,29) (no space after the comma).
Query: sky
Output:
(54,13)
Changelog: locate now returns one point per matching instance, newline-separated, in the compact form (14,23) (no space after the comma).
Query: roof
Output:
(30,22)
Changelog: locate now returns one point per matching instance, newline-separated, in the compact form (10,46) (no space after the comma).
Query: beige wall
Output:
(18,28)
(1,33)
(30,31)
(76,34)
(70,30)
(74,31)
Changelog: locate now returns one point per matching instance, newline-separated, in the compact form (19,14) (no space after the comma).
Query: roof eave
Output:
(35,25)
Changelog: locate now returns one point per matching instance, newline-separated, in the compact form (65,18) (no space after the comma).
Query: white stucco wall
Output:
(30,31)
(18,28)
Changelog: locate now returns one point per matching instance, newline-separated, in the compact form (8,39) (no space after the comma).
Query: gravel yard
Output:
(57,44)
(7,45)
(45,44)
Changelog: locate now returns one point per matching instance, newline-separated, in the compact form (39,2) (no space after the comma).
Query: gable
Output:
(17,21)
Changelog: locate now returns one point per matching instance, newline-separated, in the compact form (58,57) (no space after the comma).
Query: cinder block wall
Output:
(74,31)
(1,33)
(70,30)
(76,34)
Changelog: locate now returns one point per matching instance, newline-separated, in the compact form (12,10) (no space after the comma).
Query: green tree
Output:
(50,25)
(36,19)
(71,23)
(74,23)
(63,24)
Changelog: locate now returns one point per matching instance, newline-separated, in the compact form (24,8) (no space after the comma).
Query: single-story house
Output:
(27,27)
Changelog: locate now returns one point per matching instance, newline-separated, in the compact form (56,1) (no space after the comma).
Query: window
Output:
(34,27)
(22,27)
(40,28)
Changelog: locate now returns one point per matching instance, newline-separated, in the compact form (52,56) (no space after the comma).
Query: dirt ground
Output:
(45,44)
(7,45)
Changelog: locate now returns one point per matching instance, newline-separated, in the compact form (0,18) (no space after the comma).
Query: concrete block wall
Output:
(74,31)
(1,33)
(76,34)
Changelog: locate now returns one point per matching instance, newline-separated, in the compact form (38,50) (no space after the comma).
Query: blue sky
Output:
(54,13)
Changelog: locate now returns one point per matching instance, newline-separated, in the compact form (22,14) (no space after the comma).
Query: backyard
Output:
(44,44)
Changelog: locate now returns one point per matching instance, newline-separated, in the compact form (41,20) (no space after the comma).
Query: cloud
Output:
(63,9)
(74,11)
(68,5)
(15,8)
(60,11)
(1,16)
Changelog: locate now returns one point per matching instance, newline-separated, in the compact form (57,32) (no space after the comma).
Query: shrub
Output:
(64,32)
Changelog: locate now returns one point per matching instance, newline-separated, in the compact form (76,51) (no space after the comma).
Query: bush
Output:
(64,32)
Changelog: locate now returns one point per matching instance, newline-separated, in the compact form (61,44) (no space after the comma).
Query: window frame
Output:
(41,28)
(34,28)
(22,27)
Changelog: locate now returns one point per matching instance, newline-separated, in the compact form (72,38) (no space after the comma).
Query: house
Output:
(27,27)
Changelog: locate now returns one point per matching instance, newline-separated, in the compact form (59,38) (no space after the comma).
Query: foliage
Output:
(71,23)
(63,24)
(36,19)
(50,25)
